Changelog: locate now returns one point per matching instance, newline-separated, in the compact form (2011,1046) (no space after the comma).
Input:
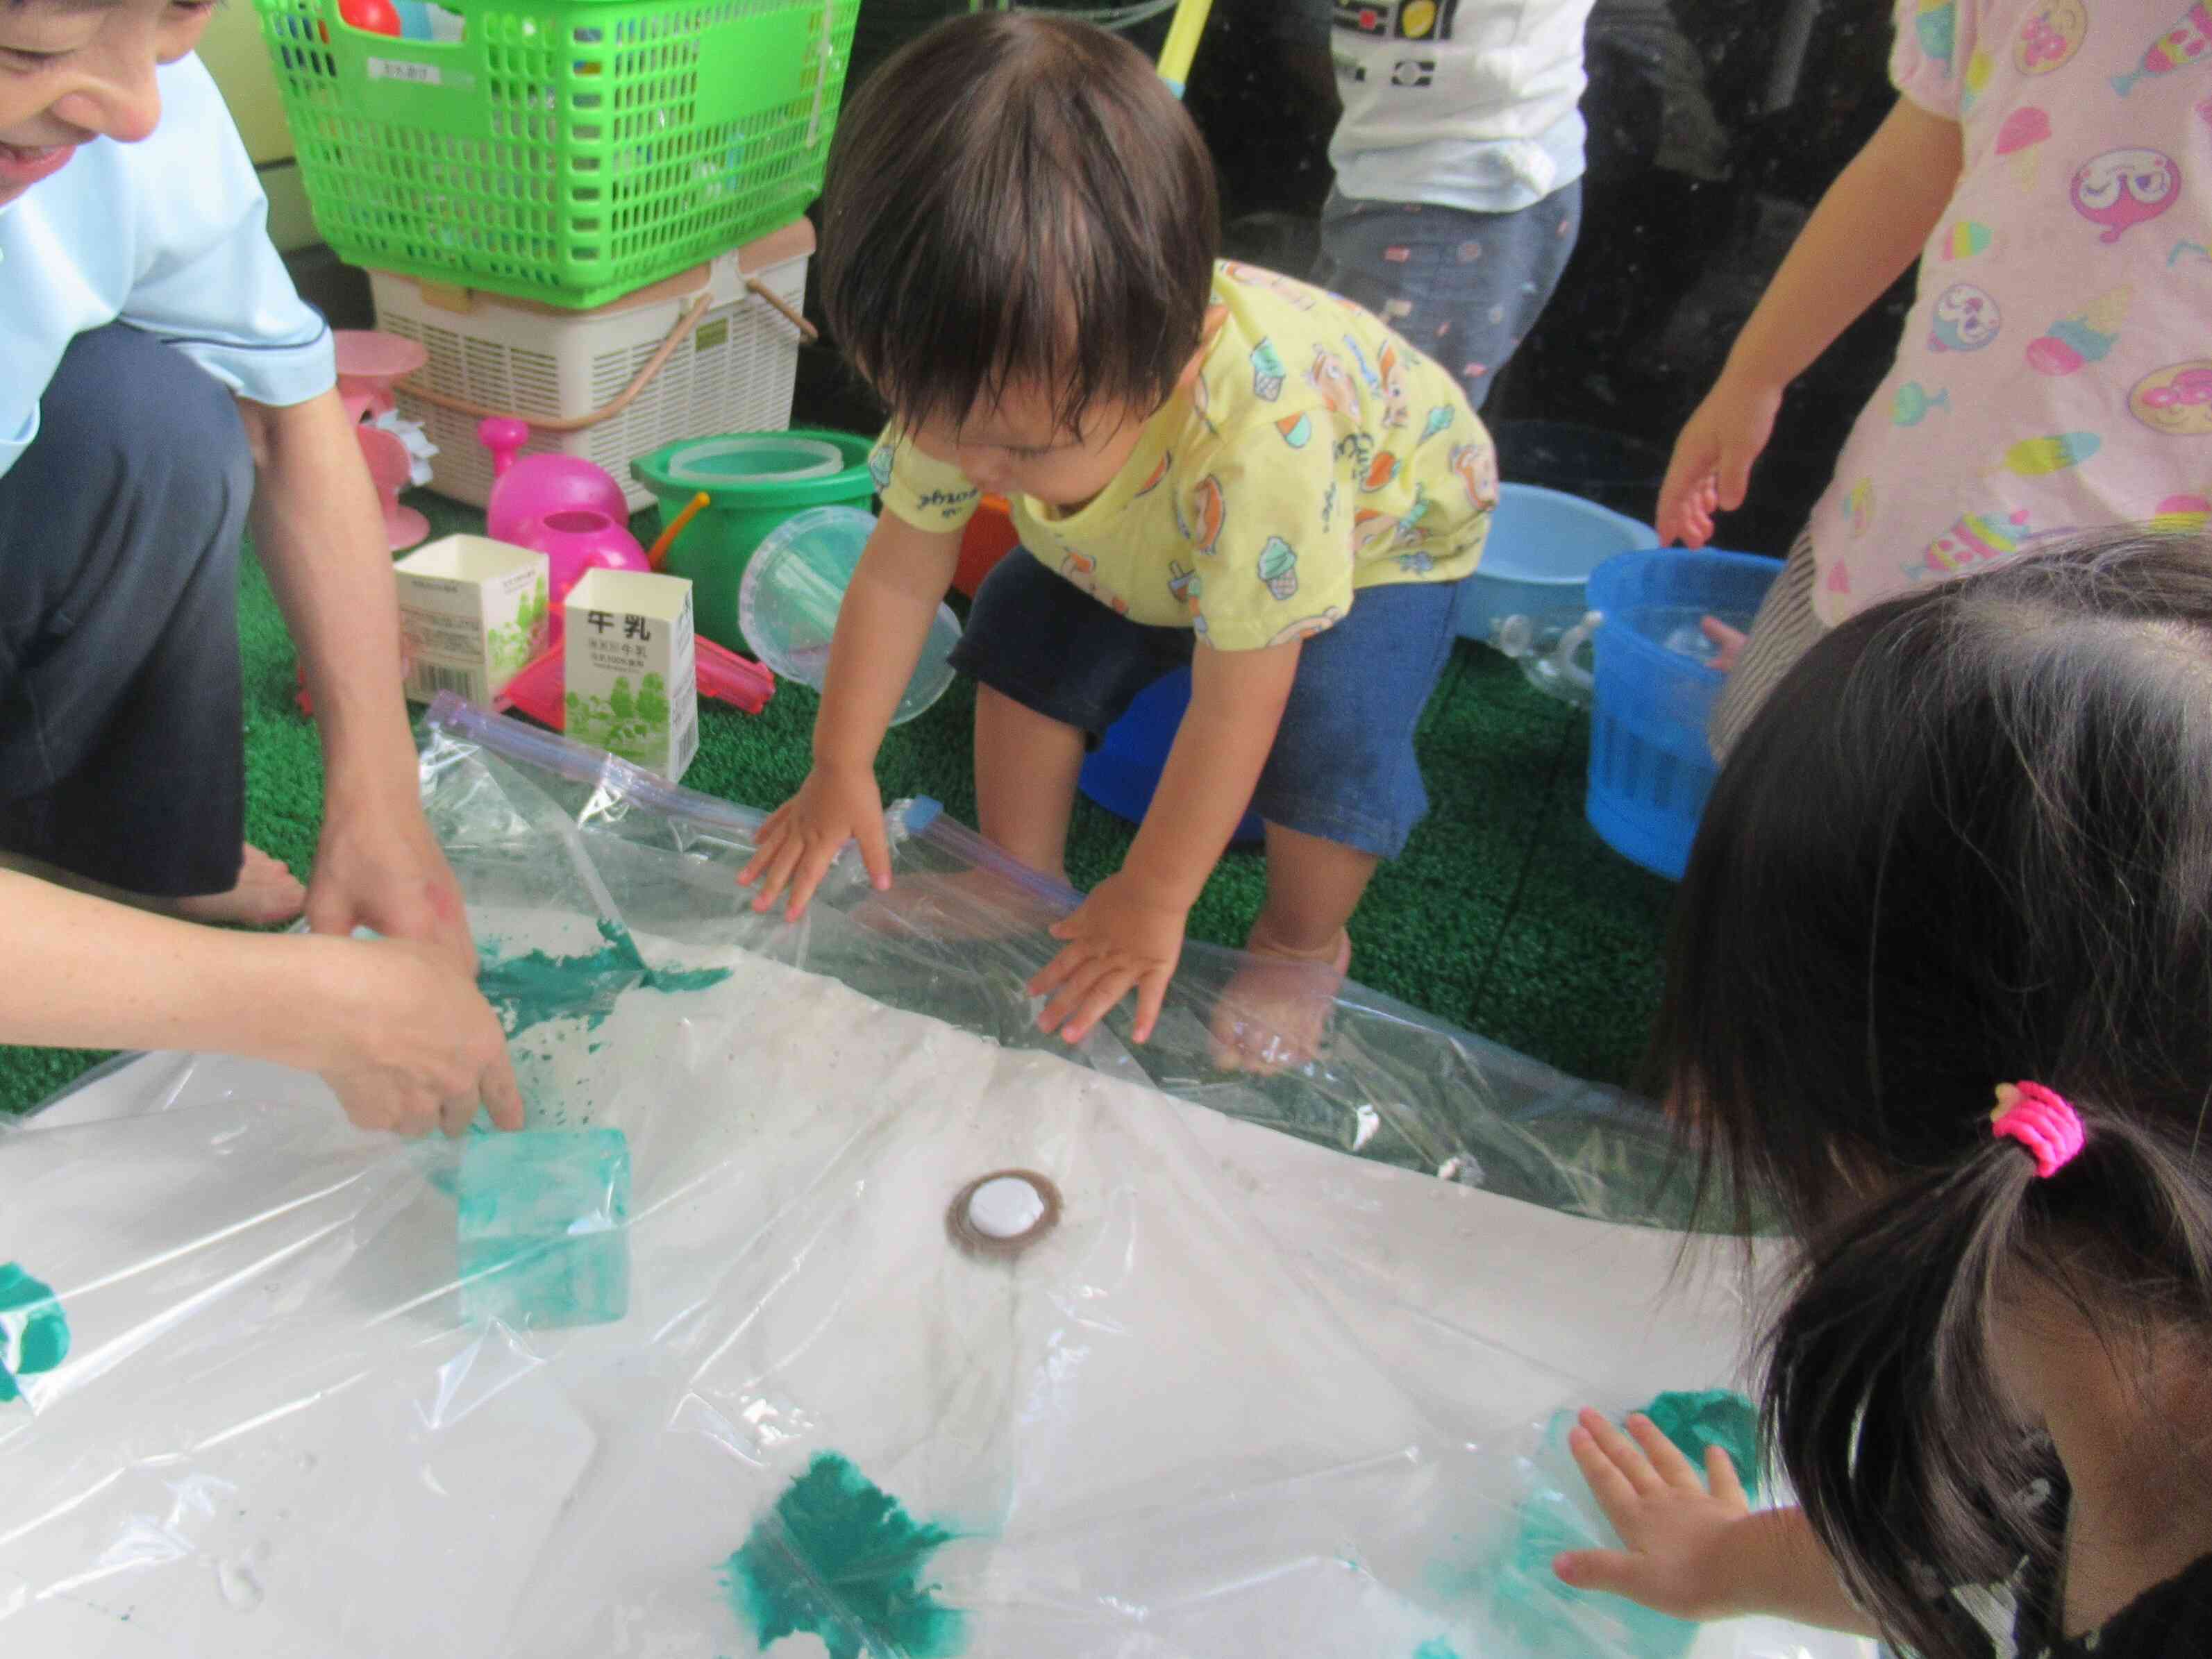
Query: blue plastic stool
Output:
(1650,768)
(1123,771)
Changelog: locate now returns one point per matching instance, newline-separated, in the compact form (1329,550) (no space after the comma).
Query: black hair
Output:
(1014,197)
(1967,842)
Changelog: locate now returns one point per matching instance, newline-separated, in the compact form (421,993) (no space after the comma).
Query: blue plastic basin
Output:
(1651,766)
(1543,545)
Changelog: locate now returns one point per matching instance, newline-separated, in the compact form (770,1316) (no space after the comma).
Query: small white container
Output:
(473,614)
(631,674)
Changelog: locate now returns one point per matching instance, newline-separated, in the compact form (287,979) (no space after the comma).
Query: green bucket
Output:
(753,481)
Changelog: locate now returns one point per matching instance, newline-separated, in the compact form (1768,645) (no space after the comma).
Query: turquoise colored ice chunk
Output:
(544,1225)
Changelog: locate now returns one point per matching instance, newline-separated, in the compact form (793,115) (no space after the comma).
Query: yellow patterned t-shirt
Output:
(1316,454)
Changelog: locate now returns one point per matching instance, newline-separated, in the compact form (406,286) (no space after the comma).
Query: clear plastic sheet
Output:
(1244,1395)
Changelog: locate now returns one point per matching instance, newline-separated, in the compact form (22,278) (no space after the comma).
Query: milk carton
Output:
(632,680)
(473,613)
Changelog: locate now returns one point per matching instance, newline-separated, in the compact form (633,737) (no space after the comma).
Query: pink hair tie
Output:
(2040,1120)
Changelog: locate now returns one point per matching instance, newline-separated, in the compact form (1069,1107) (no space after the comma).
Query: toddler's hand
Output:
(1677,1531)
(836,804)
(1116,939)
(1710,469)
(1727,642)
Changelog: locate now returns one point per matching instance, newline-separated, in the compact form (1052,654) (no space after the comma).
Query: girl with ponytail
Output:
(1941,991)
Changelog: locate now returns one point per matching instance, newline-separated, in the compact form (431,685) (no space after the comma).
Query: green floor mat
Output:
(1506,914)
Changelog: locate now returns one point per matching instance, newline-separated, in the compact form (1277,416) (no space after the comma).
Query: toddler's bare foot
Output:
(267,893)
(1274,1010)
(973,904)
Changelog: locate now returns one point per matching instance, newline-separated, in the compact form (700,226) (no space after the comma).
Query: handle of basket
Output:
(807,331)
(628,395)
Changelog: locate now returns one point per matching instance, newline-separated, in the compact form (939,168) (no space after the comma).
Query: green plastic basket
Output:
(570,153)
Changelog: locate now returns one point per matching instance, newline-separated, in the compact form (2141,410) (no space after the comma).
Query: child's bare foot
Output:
(972,904)
(267,893)
(1274,1012)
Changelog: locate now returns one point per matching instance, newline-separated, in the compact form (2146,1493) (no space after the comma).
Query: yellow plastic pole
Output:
(1182,42)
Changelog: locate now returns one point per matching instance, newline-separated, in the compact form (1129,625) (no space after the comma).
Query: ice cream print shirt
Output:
(2056,373)
(1314,455)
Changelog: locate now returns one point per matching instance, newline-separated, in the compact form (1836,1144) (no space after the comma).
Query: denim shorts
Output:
(1342,767)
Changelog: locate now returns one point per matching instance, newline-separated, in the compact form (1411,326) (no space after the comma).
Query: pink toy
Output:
(539,486)
(369,362)
(724,675)
(390,468)
(574,540)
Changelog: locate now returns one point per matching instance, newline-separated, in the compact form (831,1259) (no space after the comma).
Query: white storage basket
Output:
(733,374)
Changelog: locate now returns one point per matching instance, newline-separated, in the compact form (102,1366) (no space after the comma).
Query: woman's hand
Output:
(405,1041)
(1681,1533)
(803,836)
(1119,939)
(381,868)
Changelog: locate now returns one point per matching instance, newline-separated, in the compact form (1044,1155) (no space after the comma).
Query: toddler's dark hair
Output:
(1017,199)
(1968,842)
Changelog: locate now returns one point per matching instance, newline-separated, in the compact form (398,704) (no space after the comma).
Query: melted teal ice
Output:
(34,1332)
(1437,1650)
(842,1558)
(1549,1620)
(1711,1417)
(530,990)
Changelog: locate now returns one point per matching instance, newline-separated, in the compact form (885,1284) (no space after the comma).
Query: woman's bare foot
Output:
(267,893)
(1274,1010)
(971,904)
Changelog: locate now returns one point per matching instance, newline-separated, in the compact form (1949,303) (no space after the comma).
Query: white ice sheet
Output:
(1251,1397)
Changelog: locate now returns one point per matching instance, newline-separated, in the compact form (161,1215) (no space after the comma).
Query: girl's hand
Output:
(1710,470)
(836,804)
(1117,939)
(1682,1538)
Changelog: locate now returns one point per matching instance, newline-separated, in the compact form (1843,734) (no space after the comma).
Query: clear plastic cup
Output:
(795,582)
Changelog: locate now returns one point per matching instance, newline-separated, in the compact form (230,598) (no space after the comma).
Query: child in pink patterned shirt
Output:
(2054,178)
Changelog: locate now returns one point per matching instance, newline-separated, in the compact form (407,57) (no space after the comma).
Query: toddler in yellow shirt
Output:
(1208,464)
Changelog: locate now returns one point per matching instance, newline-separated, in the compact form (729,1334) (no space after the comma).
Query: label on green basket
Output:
(423,75)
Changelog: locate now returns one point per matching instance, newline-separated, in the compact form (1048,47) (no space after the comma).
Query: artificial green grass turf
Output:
(1506,914)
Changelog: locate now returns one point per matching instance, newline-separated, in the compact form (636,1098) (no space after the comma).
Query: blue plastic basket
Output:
(1651,766)
(1543,545)
(1123,771)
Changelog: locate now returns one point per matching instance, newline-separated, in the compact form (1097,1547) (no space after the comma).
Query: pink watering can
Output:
(562,506)
(535,486)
